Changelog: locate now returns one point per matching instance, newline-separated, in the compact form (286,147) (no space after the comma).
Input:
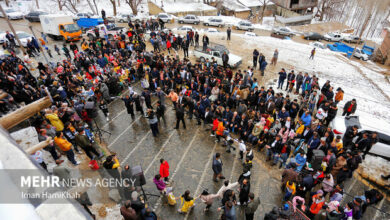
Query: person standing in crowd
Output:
(103,106)
(187,202)
(255,57)
(180,116)
(252,206)
(228,32)
(225,59)
(83,141)
(103,13)
(129,104)
(350,107)
(66,147)
(153,122)
(164,169)
(205,41)
(282,77)
(217,167)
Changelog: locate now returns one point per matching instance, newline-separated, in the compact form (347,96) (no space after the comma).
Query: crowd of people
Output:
(290,127)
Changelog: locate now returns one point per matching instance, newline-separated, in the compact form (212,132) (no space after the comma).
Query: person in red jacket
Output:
(164,169)
(316,206)
(215,126)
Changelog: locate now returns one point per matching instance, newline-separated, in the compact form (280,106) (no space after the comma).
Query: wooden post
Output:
(14,118)
(12,29)
(39,146)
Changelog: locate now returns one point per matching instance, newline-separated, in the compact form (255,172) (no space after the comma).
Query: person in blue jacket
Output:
(282,77)
(306,86)
(306,118)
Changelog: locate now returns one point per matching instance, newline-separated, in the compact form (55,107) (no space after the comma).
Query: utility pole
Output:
(12,29)
(39,43)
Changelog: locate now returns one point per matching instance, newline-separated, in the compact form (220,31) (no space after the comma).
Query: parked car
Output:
(164,17)
(216,51)
(123,18)
(210,30)
(335,37)
(112,30)
(283,31)
(33,16)
(245,25)
(360,54)
(317,44)
(352,39)
(12,14)
(250,34)
(185,28)
(189,19)
(312,36)
(368,50)
(365,124)
(217,22)
(83,15)
(23,37)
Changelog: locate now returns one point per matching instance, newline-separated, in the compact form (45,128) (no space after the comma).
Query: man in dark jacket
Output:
(180,116)
(298,82)
(350,107)
(255,57)
(245,188)
(185,44)
(160,112)
(228,32)
(349,134)
(252,207)
(282,77)
(225,59)
(290,78)
(129,104)
(83,141)
(217,167)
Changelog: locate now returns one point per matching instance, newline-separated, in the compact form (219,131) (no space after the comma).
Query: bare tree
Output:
(92,8)
(327,8)
(71,5)
(96,7)
(119,3)
(7,3)
(113,2)
(36,2)
(134,5)
(61,4)
(264,6)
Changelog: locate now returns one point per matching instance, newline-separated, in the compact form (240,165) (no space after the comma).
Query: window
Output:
(216,54)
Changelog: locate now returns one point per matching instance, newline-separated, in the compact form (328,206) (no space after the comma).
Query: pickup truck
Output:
(216,51)
(110,29)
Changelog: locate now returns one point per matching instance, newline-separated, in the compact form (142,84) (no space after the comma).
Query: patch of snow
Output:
(375,166)
(255,3)
(170,6)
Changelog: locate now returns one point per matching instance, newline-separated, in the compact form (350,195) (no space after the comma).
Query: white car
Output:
(335,37)
(216,52)
(123,18)
(185,28)
(352,39)
(84,15)
(250,34)
(12,14)
(210,30)
(283,31)
(217,22)
(164,17)
(317,44)
(368,125)
(23,37)
(245,25)
(189,19)
(360,54)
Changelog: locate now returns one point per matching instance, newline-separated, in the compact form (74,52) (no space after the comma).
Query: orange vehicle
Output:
(60,27)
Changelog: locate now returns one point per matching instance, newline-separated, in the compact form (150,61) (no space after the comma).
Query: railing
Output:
(298,215)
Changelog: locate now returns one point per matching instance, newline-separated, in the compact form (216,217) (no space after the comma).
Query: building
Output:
(257,6)
(296,6)
(181,8)
(383,53)
(234,8)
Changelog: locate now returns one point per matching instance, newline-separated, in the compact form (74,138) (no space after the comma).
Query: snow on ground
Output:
(172,6)
(375,166)
(331,66)
(51,6)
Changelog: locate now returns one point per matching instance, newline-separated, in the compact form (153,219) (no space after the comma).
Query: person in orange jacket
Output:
(215,126)
(65,146)
(220,130)
(164,169)
(339,96)
(316,206)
